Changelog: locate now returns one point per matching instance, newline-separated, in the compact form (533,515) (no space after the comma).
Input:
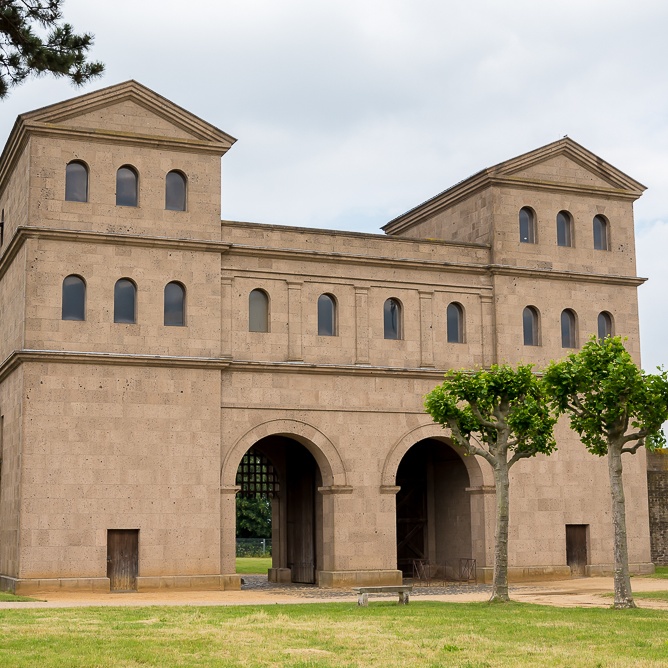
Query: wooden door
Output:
(122,559)
(576,548)
(301,482)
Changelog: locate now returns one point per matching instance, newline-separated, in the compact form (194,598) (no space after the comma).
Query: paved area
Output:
(257,591)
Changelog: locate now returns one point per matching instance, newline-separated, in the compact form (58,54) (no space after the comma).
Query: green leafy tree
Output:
(615,408)
(253,517)
(501,415)
(58,51)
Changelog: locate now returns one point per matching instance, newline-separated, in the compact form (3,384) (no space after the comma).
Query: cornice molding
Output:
(337,369)
(22,234)
(19,357)
(556,274)
(129,138)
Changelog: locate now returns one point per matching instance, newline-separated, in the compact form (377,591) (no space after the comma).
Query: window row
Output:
(127,186)
(569,333)
(125,301)
(258,317)
(564,223)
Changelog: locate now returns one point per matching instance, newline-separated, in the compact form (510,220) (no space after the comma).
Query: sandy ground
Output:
(584,592)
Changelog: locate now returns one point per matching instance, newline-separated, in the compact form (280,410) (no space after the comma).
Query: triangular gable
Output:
(563,165)
(566,162)
(128,108)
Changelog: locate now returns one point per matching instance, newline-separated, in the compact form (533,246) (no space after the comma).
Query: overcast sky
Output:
(348,113)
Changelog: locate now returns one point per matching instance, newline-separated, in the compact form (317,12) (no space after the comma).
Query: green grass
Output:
(253,565)
(335,635)
(660,572)
(659,595)
(6,596)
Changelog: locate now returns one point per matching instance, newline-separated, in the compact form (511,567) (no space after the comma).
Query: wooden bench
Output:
(402,590)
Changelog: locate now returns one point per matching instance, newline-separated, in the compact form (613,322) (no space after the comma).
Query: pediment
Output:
(128,109)
(565,163)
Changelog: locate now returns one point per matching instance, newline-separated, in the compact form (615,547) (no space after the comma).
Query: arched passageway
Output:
(433,507)
(289,475)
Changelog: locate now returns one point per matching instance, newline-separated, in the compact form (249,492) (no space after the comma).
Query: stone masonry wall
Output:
(657,483)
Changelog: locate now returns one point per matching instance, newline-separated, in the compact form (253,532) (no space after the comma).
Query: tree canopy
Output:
(58,51)
(501,415)
(615,408)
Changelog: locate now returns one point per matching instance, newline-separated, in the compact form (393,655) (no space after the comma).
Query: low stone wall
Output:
(657,487)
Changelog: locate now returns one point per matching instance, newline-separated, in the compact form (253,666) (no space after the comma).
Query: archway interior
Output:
(433,509)
(296,507)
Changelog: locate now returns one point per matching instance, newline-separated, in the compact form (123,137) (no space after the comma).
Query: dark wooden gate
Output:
(411,511)
(122,559)
(300,493)
(576,548)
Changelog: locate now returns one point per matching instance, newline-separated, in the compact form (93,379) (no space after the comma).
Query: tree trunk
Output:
(500,583)
(623,593)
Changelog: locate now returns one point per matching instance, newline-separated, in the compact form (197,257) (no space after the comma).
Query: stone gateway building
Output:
(146,349)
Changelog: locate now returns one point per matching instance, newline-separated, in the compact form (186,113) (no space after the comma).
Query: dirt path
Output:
(563,593)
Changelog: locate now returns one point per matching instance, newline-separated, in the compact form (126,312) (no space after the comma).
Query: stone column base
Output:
(30,586)
(345,579)
(643,568)
(526,573)
(187,582)
(280,575)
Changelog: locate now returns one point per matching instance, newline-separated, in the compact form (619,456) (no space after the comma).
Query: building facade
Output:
(146,348)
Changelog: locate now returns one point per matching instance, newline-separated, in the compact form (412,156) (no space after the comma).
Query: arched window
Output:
(392,319)
(76,181)
(605,327)
(527,226)
(175,191)
(564,229)
(127,186)
(258,311)
(326,315)
(74,298)
(175,304)
(531,326)
(569,337)
(125,301)
(600,233)
(455,323)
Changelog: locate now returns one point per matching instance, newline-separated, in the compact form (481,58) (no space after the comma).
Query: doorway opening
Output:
(433,509)
(283,473)
(576,549)
(122,559)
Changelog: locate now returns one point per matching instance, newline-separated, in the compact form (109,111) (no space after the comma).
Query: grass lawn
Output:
(5,596)
(253,565)
(660,595)
(660,572)
(425,634)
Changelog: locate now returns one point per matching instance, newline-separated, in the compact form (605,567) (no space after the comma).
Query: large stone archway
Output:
(285,438)
(473,496)
(323,450)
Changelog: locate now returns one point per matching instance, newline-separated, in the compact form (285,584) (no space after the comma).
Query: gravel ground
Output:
(259,583)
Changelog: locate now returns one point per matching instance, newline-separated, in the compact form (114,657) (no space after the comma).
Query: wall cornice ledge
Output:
(336,369)
(130,139)
(54,234)
(350,258)
(18,357)
(560,275)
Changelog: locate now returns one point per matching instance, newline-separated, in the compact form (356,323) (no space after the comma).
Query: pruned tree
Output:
(615,408)
(501,415)
(58,51)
